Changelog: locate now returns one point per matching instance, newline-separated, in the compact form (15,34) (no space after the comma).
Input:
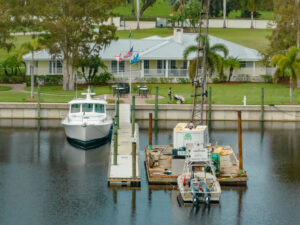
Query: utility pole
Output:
(138,14)
(224,13)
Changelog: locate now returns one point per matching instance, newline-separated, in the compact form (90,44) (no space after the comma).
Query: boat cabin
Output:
(92,107)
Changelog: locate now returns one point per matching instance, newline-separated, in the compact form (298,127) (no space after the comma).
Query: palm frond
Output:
(189,50)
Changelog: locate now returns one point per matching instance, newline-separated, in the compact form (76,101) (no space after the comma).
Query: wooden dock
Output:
(121,175)
(160,163)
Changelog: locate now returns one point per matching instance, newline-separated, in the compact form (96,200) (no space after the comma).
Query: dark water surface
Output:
(43,180)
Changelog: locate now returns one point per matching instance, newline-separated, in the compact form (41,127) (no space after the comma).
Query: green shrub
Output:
(102,78)
(166,80)
(215,80)
(11,79)
(242,78)
(49,80)
(184,80)
(151,80)
(267,78)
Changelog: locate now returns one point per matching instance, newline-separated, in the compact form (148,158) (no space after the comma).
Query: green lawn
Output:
(160,8)
(221,93)
(138,34)
(5,88)
(255,39)
(232,94)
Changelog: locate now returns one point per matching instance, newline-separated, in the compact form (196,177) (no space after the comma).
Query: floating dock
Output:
(162,168)
(122,173)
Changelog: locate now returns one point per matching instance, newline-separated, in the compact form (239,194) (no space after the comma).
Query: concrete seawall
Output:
(166,112)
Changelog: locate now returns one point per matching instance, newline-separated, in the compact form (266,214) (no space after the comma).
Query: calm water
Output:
(46,181)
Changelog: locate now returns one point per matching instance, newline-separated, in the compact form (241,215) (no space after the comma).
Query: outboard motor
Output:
(204,192)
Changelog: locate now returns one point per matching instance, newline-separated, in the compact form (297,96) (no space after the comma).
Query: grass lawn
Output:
(18,41)
(5,88)
(232,94)
(255,39)
(160,8)
(138,34)
(221,93)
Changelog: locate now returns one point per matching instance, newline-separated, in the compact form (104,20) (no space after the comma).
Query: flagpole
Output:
(130,65)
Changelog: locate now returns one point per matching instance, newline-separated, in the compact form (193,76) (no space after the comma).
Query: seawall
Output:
(166,112)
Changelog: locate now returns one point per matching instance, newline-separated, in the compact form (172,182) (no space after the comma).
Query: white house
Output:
(158,57)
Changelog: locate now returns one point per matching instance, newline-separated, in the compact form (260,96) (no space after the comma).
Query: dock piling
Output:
(156,104)
(118,111)
(133,159)
(133,116)
(115,144)
(150,129)
(241,168)
(262,105)
(39,101)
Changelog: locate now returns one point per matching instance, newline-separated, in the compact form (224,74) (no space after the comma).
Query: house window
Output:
(159,66)
(55,67)
(184,65)
(173,64)
(246,64)
(114,66)
(146,67)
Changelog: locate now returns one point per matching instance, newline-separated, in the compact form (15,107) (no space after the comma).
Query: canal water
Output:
(44,180)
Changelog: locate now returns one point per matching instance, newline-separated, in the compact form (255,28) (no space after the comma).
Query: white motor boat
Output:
(198,182)
(87,124)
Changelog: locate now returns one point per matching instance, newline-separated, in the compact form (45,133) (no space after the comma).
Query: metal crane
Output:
(201,74)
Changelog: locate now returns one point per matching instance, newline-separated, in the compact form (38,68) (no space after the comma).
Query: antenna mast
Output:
(200,78)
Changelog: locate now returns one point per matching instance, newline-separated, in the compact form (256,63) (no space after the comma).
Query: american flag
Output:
(129,53)
(118,57)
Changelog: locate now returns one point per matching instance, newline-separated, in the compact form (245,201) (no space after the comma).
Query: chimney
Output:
(178,35)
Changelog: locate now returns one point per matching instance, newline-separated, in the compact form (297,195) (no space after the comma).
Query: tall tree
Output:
(32,46)
(285,34)
(132,8)
(146,5)
(252,7)
(73,27)
(214,57)
(288,65)
(232,64)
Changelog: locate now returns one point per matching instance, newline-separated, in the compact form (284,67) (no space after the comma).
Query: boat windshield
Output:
(87,107)
(99,108)
(75,108)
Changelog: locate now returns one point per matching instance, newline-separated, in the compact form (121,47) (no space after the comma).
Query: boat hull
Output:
(88,136)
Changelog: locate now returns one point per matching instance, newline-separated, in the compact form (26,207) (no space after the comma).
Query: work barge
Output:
(164,163)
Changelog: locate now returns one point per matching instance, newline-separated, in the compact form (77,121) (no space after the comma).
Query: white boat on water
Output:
(198,182)
(87,124)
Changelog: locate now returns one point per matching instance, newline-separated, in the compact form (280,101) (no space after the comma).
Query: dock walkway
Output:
(122,173)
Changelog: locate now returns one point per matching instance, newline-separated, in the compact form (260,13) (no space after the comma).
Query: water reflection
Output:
(44,180)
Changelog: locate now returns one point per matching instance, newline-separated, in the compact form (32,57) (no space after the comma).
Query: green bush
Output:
(215,80)
(184,80)
(45,80)
(165,80)
(242,78)
(151,80)
(11,79)
(102,78)
(267,78)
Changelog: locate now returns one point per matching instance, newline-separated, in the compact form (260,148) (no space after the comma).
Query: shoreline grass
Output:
(227,94)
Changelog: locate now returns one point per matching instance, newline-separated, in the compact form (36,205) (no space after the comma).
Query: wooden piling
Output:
(262,105)
(133,159)
(115,144)
(241,168)
(150,129)
(156,104)
(133,116)
(39,101)
(118,111)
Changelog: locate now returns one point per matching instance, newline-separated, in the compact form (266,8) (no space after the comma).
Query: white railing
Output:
(150,73)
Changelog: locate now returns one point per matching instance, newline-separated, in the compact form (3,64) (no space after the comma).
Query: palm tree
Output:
(231,63)
(288,65)
(214,59)
(252,6)
(32,46)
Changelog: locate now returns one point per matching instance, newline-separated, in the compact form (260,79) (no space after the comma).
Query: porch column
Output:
(142,71)
(167,68)
(187,67)
(253,72)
